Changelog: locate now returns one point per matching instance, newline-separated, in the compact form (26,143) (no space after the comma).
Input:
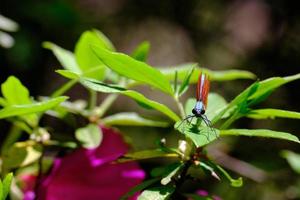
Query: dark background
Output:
(260,36)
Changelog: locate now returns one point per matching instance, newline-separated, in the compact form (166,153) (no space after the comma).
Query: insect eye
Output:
(194,111)
(202,112)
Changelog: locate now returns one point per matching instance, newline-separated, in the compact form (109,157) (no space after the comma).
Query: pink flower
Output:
(89,174)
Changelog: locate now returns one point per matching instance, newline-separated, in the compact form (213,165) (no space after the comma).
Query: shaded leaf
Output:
(133,69)
(260,133)
(293,159)
(185,83)
(131,119)
(65,57)
(21,154)
(139,187)
(168,177)
(146,154)
(89,136)
(233,182)
(157,193)
(141,52)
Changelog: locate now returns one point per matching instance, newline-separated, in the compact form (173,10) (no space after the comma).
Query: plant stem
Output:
(108,101)
(40,174)
(180,108)
(64,88)
(93,99)
(228,122)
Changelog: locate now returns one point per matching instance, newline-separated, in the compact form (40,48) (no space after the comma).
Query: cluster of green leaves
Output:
(99,68)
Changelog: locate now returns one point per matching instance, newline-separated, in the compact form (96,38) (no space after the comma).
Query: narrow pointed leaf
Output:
(65,57)
(131,119)
(293,159)
(18,110)
(260,133)
(6,185)
(272,113)
(141,52)
(146,154)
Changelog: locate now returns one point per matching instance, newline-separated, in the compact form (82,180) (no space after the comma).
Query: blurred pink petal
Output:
(89,174)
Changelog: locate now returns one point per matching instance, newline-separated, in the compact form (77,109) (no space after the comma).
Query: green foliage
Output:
(96,66)
(133,69)
(293,159)
(5,186)
(131,119)
(89,136)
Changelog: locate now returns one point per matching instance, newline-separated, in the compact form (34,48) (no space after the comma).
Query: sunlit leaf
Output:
(89,136)
(19,110)
(200,136)
(157,193)
(133,69)
(131,119)
(293,159)
(14,92)
(141,51)
(6,185)
(146,154)
(260,133)
(272,113)
(185,83)
(233,182)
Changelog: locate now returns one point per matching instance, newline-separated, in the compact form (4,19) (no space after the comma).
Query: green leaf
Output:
(146,154)
(106,88)
(133,69)
(157,193)
(86,58)
(21,154)
(267,86)
(19,110)
(197,197)
(260,133)
(131,119)
(89,136)
(185,83)
(68,74)
(141,52)
(272,113)
(168,177)
(226,75)
(6,185)
(65,57)
(200,136)
(139,187)
(14,92)
(293,159)
(238,103)
(233,182)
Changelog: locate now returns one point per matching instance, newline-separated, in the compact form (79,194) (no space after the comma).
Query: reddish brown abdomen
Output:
(202,88)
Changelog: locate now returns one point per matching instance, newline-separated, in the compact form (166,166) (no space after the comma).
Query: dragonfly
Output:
(201,102)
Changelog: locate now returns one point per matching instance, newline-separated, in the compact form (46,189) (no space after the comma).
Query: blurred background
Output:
(260,36)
